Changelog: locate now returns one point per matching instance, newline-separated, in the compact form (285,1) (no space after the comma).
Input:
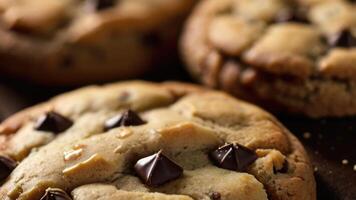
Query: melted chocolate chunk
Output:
(157,169)
(55,194)
(342,39)
(233,157)
(284,168)
(53,122)
(6,167)
(103,4)
(128,118)
(215,196)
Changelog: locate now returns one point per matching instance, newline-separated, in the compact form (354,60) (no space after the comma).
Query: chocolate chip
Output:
(55,194)
(128,118)
(157,169)
(343,38)
(284,168)
(53,122)
(215,196)
(6,167)
(103,4)
(233,157)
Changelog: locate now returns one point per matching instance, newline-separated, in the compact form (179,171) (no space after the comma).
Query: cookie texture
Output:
(296,55)
(76,42)
(183,123)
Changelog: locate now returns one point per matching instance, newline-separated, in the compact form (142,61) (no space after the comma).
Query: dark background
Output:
(330,141)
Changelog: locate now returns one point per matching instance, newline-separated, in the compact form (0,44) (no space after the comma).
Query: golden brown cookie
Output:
(298,55)
(141,140)
(75,42)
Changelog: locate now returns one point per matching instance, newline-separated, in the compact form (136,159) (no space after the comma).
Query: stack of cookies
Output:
(140,140)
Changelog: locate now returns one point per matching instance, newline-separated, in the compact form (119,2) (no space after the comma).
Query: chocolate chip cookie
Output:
(76,42)
(140,140)
(293,55)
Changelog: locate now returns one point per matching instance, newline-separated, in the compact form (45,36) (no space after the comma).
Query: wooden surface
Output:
(328,141)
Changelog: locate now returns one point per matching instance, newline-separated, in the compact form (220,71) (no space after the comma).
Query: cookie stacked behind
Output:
(297,55)
(76,42)
(139,140)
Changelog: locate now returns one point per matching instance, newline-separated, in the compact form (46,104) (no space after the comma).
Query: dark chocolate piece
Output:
(7,165)
(215,196)
(343,38)
(103,4)
(233,157)
(53,122)
(127,118)
(55,194)
(157,169)
(284,168)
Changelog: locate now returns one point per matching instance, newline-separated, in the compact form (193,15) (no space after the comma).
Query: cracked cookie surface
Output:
(82,41)
(88,160)
(295,55)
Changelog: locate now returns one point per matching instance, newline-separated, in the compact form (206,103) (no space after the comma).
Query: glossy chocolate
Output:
(127,118)
(343,38)
(157,169)
(7,165)
(53,122)
(233,157)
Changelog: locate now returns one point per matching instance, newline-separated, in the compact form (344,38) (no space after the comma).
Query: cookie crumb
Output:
(124,133)
(306,135)
(345,162)
(316,169)
(72,155)
(355,168)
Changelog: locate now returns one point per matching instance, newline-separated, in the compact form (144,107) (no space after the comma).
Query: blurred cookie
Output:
(140,140)
(76,42)
(297,55)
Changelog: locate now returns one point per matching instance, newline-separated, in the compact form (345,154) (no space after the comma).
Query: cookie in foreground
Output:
(71,42)
(291,55)
(141,140)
